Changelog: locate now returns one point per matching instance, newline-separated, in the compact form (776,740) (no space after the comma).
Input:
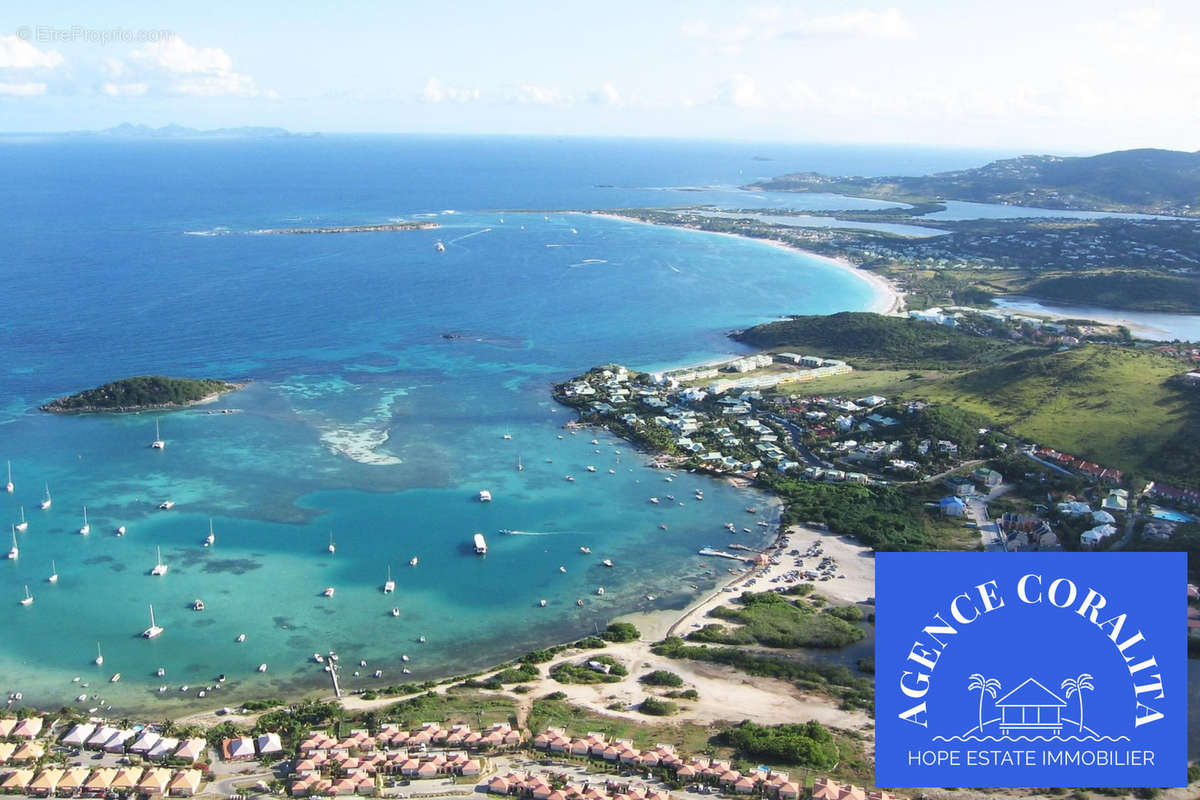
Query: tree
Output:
(1075,686)
(984,686)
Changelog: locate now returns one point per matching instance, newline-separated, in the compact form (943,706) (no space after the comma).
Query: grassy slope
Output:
(1113,406)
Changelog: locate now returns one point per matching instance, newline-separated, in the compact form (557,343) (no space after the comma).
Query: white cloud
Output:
(125,89)
(22,89)
(15,53)
(530,94)
(436,92)
(607,95)
(741,91)
(174,66)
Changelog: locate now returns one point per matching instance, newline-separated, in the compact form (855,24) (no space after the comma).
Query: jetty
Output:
(709,551)
(332,669)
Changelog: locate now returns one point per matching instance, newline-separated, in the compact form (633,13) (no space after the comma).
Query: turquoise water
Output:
(361,417)
(1170,514)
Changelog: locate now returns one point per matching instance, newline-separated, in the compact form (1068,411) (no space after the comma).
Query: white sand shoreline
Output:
(889,299)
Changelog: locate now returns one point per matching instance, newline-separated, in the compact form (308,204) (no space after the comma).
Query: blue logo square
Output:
(1031,669)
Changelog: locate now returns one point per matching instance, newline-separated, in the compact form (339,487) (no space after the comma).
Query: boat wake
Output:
(220,230)
(545,533)
(469,235)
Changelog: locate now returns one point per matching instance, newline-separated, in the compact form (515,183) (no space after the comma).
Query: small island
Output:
(142,393)
(386,227)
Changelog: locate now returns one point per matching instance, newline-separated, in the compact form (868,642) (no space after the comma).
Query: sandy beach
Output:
(889,299)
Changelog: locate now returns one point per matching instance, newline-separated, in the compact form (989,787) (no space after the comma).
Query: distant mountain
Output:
(129,131)
(1146,180)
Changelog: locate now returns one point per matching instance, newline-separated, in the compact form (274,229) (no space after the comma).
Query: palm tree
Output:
(985,686)
(1075,686)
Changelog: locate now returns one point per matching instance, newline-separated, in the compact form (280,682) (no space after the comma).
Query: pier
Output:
(708,551)
(333,671)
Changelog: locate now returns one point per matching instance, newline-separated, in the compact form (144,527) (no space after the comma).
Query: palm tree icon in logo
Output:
(1075,686)
(990,686)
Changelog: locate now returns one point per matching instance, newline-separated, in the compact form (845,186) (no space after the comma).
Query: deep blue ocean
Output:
(362,420)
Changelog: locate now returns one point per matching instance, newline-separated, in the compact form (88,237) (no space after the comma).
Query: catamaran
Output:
(389,585)
(153,630)
(53,573)
(8,487)
(22,526)
(28,601)
(160,568)
(208,540)
(332,546)
(99,662)
(86,529)
(48,501)
(16,551)
(158,443)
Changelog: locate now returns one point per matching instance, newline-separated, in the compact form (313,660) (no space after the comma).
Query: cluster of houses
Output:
(1187,354)
(761,782)
(1094,472)
(962,486)
(327,766)
(23,747)
(1027,532)
(1188,498)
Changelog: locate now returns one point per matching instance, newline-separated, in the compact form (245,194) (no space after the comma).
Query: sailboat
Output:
(153,630)
(28,601)
(332,546)
(8,487)
(208,540)
(53,573)
(86,529)
(48,501)
(99,662)
(520,466)
(158,443)
(16,551)
(160,568)
(389,585)
(22,526)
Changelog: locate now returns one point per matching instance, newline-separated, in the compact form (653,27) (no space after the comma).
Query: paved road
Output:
(989,529)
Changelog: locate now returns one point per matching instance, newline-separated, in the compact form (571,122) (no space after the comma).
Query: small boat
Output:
(575,232)
(81,698)
(542,603)
(212,537)
(441,248)
(262,667)
(201,693)
(404,657)
(485,496)
(662,526)
(160,568)
(332,547)
(406,671)
(328,591)
(562,569)
(221,679)
(99,656)
(23,525)
(570,479)
(49,501)
(389,585)
(585,550)
(600,590)
(421,638)
(28,601)
(520,466)
(751,510)
(378,673)
(654,500)
(595,441)
(154,629)
(160,672)
(86,529)
(508,436)
(612,472)
(240,638)
(362,662)
(607,562)
(480,544)
(116,677)
(53,573)
(590,468)
(317,657)
(8,487)
(395,611)
(413,561)
(197,604)
(579,602)
(166,505)
(651,597)
(119,532)
(158,443)
(15,551)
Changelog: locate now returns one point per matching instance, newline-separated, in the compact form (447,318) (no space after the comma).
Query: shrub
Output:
(621,632)
(657,708)
(661,677)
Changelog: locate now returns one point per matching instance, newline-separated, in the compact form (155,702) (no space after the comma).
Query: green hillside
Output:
(875,339)
(1140,291)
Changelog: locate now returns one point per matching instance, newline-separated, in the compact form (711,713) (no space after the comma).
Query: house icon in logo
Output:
(1029,708)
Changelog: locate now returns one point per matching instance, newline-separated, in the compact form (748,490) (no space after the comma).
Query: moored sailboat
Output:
(28,601)
(158,443)
(16,551)
(87,528)
(49,501)
(154,629)
(8,487)
(160,568)
(23,525)
(389,585)
(53,573)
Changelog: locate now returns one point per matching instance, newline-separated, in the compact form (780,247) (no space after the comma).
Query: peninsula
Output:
(386,227)
(142,393)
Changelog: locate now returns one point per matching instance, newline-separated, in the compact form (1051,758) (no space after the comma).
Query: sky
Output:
(1040,75)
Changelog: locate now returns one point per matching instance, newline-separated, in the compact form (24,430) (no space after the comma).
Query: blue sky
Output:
(1061,75)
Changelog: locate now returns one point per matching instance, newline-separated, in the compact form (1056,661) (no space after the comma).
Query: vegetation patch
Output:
(596,669)
(807,743)
(771,620)
(656,707)
(143,392)
(661,677)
